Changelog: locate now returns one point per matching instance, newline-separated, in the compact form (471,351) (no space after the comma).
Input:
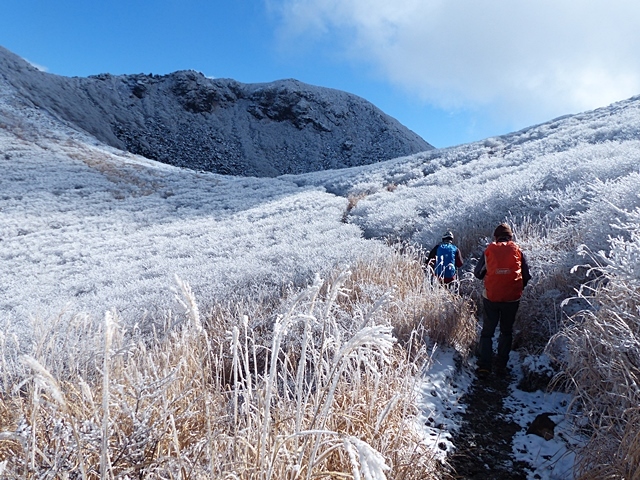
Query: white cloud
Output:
(523,60)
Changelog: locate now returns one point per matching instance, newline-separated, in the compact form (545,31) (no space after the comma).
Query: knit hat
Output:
(447,236)
(503,231)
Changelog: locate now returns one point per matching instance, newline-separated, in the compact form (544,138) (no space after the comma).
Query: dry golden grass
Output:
(420,308)
(602,369)
(316,387)
(352,202)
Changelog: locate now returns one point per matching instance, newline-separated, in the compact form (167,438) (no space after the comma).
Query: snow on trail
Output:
(441,400)
(549,459)
(479,427)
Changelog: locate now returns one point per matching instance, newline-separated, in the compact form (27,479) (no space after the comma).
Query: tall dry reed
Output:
(599,350)
(317,387)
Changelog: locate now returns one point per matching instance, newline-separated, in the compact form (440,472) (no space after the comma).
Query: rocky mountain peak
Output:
(220,125)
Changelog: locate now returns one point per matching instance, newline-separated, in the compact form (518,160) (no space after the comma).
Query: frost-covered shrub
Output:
(607,213)
(472,195)
(600,352)
(87,230)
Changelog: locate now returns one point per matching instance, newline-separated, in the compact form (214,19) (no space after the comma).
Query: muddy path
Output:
(484,440)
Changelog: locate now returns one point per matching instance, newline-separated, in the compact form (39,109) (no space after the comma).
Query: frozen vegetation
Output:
(162,322)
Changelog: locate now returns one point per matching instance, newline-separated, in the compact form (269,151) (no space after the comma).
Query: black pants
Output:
(503,313)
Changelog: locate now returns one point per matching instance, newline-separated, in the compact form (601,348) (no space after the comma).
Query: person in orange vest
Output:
(505,272)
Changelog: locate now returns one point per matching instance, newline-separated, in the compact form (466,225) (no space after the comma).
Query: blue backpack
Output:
(446,260)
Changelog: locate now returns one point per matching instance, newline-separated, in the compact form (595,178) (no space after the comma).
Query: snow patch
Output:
(443,386)
(551,459)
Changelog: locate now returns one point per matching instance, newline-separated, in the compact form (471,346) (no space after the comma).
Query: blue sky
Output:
(453,72)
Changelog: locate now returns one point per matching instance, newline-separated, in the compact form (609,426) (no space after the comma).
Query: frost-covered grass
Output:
(600,352)
(88,229)
(567,186)
(318,386)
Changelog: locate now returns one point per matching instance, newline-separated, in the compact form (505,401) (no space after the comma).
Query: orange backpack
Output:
(503,281)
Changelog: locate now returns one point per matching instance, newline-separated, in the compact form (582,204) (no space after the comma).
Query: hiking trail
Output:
(484,441)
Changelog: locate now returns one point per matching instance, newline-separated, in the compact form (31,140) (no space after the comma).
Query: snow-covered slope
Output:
(87,228)
(219,125)
(92,227)
(553,170)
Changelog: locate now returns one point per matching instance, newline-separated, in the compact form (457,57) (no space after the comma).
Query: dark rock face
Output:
(219,125)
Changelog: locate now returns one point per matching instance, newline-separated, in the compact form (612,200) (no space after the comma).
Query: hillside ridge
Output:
(219,125)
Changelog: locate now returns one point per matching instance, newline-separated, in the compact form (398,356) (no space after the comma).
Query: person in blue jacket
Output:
(445,259)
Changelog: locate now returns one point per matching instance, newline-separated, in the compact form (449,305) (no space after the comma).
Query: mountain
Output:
(219,125)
